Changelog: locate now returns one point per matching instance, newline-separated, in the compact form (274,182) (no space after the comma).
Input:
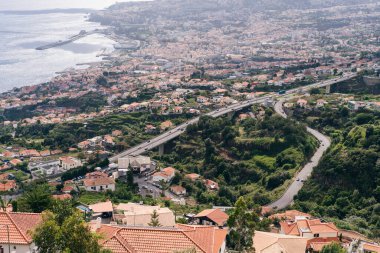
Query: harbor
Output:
(78,36)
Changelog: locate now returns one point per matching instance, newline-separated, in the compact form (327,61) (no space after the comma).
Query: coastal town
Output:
(213,187)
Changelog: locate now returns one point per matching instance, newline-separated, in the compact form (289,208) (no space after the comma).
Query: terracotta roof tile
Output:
(19,226)
(216,215)
(206,239)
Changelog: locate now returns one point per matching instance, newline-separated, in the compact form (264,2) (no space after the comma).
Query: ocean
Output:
(21,31)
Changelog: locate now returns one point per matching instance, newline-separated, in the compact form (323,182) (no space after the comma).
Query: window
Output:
(1,249)
(316,235)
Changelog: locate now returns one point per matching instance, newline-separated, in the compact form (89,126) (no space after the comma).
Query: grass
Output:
(92,197)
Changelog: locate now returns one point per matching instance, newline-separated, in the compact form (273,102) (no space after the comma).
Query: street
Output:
(306,171)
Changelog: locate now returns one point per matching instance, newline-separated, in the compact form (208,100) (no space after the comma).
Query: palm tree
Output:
(4,203)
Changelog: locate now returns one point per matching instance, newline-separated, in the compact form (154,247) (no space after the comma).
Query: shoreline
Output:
(102,56)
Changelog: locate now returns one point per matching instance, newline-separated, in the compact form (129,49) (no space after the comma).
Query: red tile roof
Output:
(19,226)
(216,215)
(204,239)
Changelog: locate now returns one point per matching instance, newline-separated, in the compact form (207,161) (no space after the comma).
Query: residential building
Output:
(302,102)
(7,185)
(211,185)
(369,248)
(136,163)
(103,210)
(265,242)
(166,175)
(132,214)
(98,182)
(178,190)
(193,176)
(290,215)
(204,239)
(313,228)
(68,162)
(214,217)
(19,226)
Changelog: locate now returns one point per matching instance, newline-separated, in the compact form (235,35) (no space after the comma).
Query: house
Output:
(7,185)
(166,175)
(83,145)
(192,176)
(140,215)
(316,244)
(369,248)
(19,226)
(206,239)
(356,105)
(15,162)
(211,185)
(103,210)
(150,129)
(29,153)
(302,103)
(321,102)
(202,99)
(178,110)
(136,163)
(290,215)
(213,217)
(45,153)
(265,242)
(49,167)
(99,184)
(68,162)
(178,190)
(166,125)
(313,228)
(95,175)
(117,133)
(108,141)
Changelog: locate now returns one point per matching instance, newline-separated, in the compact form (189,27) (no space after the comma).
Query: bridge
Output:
(160,140)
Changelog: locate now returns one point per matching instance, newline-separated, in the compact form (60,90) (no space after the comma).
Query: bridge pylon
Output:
(161,149)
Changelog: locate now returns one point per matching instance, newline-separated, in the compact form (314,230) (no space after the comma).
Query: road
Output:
(306,171)
(175,132)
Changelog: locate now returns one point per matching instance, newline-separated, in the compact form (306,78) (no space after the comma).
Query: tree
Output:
(36,199)
(242,223)
(333,248)
(154,221)
(4,203)
(70,234)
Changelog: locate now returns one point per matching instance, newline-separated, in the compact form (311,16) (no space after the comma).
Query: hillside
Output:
(252,157)
(345,185)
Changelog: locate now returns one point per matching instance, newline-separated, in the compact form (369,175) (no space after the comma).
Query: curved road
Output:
(303,175)
(175,132)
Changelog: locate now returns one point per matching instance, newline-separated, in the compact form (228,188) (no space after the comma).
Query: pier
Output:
(80,35)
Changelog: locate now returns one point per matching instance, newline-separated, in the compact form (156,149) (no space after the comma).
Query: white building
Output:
(136,163)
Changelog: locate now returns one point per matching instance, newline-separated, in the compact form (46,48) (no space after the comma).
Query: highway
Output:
(324,143)
(175,132)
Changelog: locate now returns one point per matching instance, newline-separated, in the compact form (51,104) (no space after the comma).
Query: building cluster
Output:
(128,227)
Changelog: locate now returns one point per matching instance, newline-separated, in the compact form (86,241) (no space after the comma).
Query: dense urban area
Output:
(215,126)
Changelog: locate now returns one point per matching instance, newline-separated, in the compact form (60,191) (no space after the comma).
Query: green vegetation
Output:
(64,230)
(345,185)
(242,224)
(333,248)
(252,158)
(66,135)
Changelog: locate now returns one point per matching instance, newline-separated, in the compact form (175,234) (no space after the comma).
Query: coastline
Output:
(102,56)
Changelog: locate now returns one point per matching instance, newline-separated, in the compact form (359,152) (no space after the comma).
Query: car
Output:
(146,148)
(146,179)
(144,187)
(302,180)
(148,141)
(298,179)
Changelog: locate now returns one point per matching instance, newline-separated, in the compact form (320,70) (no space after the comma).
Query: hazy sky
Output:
(53,4)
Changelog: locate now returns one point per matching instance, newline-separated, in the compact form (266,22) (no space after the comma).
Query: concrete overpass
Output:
(160,140)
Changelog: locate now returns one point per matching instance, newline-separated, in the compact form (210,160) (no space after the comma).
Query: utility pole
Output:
(9,241)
